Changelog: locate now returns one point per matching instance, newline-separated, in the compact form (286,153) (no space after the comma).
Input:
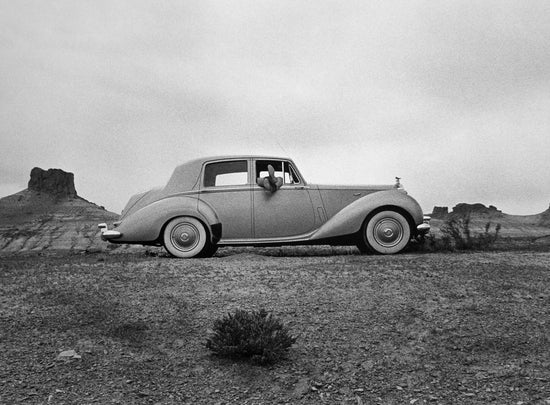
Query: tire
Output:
(387,232)
(209,250)
(186,237)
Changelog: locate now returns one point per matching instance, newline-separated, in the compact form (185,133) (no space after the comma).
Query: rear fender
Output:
(350,219)
(146,224)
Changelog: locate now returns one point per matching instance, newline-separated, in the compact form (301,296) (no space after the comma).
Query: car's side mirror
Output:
(271,182)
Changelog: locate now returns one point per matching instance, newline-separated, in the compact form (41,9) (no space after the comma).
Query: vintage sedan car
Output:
(264,201)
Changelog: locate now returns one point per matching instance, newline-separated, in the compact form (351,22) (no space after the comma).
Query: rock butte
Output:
(49,214)
(55,182)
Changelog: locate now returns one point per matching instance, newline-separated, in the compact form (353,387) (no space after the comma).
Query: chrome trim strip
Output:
(225,189)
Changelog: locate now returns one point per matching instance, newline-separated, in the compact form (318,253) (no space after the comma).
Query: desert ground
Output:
(415,328)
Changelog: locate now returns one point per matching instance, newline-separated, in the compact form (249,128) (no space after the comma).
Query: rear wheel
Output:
(387,232)
(187,237)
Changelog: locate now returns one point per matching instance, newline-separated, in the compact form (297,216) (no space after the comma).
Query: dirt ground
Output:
(441,328)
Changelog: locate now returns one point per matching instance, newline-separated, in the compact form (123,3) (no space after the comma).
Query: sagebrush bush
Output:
(457,235)
(458,231)
(254,335)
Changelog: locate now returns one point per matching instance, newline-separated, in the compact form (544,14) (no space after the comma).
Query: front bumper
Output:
(424,227)
(107,234)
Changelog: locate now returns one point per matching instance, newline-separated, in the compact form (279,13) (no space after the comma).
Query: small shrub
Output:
(457,229)
(456,234)
(255,335)
(431,243)
(486,239)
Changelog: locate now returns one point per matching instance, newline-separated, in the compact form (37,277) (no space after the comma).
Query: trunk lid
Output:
(141,200)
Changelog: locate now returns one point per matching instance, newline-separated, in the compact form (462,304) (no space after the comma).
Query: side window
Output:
(292,176)
(282,169)
(226,173)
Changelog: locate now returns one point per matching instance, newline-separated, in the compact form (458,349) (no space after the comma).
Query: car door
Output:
(283,213)
(226,188)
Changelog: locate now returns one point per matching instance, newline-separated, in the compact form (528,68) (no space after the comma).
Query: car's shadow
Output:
(283,251)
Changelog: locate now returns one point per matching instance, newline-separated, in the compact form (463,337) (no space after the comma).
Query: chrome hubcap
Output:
(185,236)
(388,232)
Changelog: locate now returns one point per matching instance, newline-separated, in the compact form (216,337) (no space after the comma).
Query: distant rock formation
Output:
(50,215)
(514,226)
(55,182)
(464,209)
(440,212)
(475,209)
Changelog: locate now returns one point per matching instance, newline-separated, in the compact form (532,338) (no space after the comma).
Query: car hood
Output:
(336,197)
(354,187)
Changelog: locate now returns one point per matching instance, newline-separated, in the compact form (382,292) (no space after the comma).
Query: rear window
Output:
(232,173)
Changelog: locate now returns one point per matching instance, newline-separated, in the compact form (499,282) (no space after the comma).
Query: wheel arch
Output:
(350,220)
(147,225)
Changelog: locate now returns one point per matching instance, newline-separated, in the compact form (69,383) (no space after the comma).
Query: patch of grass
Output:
(256,335)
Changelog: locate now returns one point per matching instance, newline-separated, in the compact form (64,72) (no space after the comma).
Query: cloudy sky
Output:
(452,96)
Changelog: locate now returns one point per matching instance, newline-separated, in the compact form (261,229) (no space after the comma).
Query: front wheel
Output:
(387,232)
(187,237)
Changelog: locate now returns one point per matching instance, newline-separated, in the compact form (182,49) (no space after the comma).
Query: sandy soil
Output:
(461,328)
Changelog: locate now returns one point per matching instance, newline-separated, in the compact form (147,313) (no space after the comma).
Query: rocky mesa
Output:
(49,214)
(515,226)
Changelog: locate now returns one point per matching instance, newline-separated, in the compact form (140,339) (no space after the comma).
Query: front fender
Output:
(146,224)
(349,220)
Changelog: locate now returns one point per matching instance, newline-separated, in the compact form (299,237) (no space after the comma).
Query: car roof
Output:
(187,175)
(236,157)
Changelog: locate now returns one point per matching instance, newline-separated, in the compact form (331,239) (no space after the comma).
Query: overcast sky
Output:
(452,96)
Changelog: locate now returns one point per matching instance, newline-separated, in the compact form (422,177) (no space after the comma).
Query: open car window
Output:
(293,176)
(233,173)
(283,169)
